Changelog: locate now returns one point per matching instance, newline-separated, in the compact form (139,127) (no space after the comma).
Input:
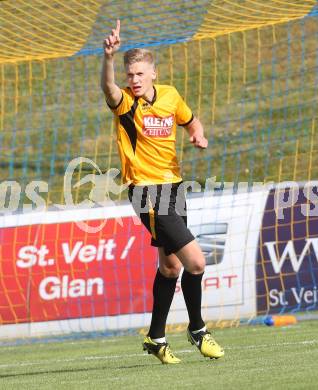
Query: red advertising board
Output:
(59,271)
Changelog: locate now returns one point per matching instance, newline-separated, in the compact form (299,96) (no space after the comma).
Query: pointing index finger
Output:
(118,26)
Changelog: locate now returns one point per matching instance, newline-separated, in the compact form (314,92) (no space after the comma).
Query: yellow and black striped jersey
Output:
(146,135)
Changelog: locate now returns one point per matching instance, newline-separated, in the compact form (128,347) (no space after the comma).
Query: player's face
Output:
(140,77)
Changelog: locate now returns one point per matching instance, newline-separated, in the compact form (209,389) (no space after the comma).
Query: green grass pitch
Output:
(255,358)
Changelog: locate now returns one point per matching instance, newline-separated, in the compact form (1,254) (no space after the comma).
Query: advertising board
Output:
(287,257)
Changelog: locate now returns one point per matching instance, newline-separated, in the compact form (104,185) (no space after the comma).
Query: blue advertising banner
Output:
(287,256)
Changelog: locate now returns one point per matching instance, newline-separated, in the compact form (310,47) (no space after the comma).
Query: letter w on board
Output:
(289,251)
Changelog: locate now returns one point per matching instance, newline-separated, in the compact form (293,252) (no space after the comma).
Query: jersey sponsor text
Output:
(157,127)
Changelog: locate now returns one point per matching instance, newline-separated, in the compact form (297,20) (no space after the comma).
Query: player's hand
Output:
(112,42)
(199,141)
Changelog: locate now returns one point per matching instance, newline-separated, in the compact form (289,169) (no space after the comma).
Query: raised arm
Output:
(111,90)
(196,132)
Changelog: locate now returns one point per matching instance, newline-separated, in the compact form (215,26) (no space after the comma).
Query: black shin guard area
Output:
(192,292)
(163,291)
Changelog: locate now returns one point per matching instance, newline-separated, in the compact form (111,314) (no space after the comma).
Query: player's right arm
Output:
(113,93)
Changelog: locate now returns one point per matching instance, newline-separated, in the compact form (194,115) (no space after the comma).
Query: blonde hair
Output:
(138,55)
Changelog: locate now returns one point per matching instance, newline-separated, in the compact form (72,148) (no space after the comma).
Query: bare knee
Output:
(170,270)
(169,265)
(196,267)
(192,258)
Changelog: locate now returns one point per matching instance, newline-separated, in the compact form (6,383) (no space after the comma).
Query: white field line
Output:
(132,355)
(44,344)
(115,339)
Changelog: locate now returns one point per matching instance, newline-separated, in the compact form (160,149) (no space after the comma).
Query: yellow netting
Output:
(38,29)
(226,16)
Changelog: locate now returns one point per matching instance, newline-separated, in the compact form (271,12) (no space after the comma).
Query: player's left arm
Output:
(186,119)
(196,133)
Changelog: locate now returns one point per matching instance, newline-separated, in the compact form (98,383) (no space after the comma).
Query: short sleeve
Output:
(183,113)
(124,104)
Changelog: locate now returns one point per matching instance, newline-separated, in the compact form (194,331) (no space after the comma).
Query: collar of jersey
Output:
(154,97)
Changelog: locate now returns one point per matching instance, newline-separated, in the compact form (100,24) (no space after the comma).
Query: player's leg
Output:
(163,292)
(193,261)
(164,283)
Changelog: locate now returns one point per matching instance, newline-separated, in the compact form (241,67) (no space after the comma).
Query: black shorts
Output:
(162,209)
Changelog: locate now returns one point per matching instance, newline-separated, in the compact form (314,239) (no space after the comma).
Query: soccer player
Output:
(147,117)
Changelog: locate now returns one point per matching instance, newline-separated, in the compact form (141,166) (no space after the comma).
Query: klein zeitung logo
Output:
(157,127)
